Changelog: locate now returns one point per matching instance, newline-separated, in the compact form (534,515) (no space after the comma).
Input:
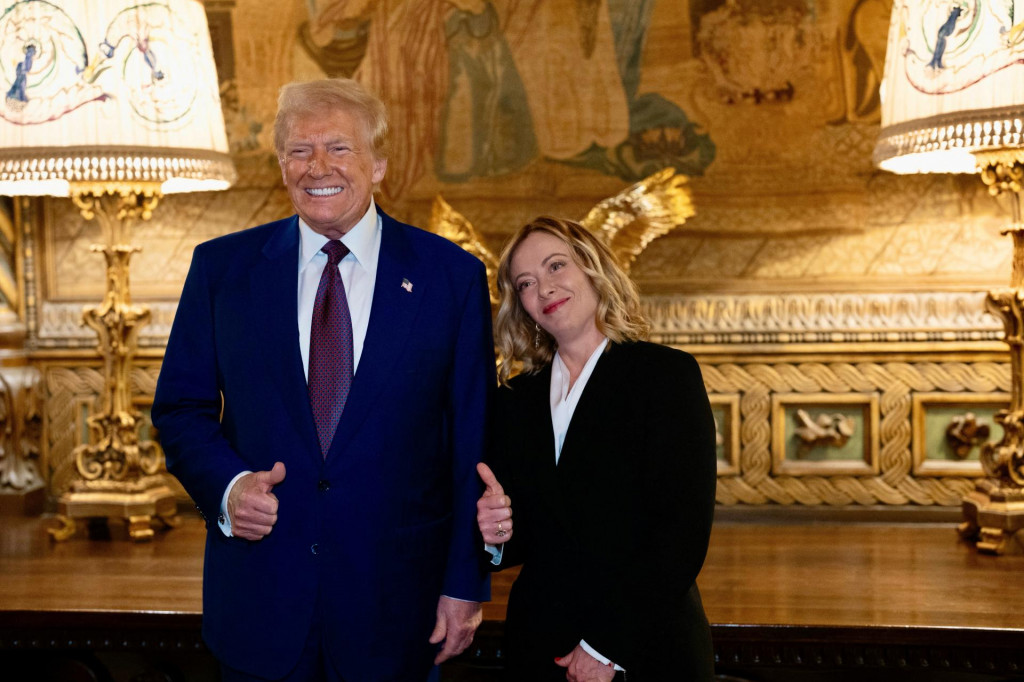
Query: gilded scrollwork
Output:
(20,430)
(115,452)
(1004,460)
(71,392)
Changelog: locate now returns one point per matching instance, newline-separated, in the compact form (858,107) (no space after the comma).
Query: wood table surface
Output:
(808,574)
(856,575)
(817,602)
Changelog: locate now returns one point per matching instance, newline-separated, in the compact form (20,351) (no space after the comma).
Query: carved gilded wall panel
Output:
(825,434)
(949,430)
(894,383)
(726,410)
(844,399)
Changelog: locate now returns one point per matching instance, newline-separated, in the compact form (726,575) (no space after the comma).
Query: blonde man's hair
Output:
(520,345)
(297,99)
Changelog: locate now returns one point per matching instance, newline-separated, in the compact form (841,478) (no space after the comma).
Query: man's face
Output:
(329,169)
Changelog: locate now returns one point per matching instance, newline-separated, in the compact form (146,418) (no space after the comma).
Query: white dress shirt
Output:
(564,397)
(359,275)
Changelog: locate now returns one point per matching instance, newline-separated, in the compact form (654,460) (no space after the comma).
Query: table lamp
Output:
(953,102)
(112,103)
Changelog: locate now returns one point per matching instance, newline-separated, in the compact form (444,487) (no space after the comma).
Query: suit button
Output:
(315,548)
(324,485)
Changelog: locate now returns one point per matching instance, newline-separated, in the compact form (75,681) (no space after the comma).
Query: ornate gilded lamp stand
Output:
(994,511)
(119,473)
(113,103)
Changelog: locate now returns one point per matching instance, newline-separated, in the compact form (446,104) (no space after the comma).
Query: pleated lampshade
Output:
(953,91)
(109,91)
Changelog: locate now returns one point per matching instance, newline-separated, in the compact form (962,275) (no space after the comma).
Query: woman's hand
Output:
(493,509)
(582,667)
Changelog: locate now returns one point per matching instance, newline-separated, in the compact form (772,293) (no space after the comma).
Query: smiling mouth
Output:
(548,309)
(323,191)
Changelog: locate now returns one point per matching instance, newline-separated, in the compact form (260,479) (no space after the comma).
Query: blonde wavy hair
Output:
(618,300)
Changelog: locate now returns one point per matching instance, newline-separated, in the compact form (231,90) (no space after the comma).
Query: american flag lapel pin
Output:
(407,285)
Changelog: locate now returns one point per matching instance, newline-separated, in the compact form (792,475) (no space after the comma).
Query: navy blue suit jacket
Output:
(371,536)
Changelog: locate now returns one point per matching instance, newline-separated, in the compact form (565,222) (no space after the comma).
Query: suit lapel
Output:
(274,287)
(538,448)
(392,314)
(541,447)
(591,412)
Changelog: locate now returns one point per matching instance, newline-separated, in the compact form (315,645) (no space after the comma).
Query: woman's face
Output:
(553,289)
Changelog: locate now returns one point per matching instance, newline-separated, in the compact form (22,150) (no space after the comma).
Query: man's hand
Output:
(582,667)
(252,506)
(493,509)
(456,623)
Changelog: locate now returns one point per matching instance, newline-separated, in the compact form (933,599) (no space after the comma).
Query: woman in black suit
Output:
(605,444)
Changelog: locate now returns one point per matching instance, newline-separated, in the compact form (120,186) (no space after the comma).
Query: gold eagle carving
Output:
(626,223)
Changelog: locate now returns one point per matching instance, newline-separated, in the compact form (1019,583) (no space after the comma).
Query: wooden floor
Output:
(794,602)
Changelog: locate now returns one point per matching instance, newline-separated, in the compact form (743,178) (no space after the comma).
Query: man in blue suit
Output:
(345,552)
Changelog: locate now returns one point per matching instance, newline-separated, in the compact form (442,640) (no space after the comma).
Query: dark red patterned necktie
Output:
(330,348)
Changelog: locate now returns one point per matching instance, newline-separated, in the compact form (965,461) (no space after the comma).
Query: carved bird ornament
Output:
(626,223)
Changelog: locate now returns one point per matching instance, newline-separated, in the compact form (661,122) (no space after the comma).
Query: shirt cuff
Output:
(601,659)
(468,601)
(496,552)
(223,519)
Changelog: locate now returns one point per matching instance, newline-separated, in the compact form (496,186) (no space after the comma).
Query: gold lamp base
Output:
(994,512)
(994,518)
(143,503)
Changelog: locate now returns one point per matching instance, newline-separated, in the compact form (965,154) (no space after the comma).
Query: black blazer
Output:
(612,538)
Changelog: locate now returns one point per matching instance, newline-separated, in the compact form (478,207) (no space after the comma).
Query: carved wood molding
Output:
(20,429)
(894,383)
(60,326)
(682,319)
(753,319)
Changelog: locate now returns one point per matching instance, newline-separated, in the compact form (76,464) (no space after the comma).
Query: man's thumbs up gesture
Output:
(252,506)
(493,509)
